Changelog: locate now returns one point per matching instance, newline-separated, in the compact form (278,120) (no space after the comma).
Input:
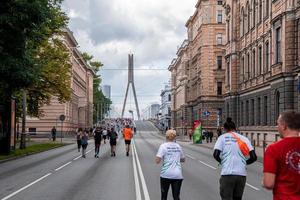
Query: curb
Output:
(30,154)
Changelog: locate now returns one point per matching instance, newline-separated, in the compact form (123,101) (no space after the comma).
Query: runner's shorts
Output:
(127,142)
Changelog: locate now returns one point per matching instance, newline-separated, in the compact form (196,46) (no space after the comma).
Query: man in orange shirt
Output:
(127,134)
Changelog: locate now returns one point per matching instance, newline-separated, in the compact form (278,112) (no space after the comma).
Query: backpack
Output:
(242,145)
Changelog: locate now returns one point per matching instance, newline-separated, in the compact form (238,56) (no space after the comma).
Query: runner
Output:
(84,142)
(78,138)
(171,173)
(97,138)
(127,134)
(105,132)
(230,151)
(113,136)
(282,159)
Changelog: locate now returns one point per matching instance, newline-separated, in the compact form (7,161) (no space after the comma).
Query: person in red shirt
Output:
(282,159)
(127,134)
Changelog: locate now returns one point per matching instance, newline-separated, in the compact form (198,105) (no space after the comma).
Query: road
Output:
(61,173)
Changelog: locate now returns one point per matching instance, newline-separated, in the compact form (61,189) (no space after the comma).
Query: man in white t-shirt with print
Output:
(228,153)
(171,154)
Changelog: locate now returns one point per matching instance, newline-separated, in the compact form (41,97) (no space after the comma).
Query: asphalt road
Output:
(61,174)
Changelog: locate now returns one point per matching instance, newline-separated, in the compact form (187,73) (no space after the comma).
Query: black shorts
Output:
(113,142)
(127,142)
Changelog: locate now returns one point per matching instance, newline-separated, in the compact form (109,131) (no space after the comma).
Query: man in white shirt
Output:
(228,153)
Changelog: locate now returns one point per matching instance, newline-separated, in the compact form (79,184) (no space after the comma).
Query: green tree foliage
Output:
(24,26)
(31,55)
(101,103)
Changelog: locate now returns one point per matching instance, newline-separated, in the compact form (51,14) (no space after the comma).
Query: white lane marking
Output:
(145,189)
(136,178)
(25,187)
(77,158)
(88,151)
(189,156)
(212,167)
(59,168)
(251,186)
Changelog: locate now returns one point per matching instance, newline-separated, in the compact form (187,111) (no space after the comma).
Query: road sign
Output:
(62,118)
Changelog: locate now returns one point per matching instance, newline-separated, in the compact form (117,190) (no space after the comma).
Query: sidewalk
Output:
(258,150)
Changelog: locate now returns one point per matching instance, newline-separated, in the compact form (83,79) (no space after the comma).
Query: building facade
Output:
(262,63)
(165,109)
(106,89)
(198,72)
(79,111)
(151,112)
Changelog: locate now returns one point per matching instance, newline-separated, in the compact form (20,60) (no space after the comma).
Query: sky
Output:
(152,30)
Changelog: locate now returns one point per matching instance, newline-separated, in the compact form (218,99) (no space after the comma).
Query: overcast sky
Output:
(150,29)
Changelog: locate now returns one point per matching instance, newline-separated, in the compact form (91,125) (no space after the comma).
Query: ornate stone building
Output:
(198,73)
(262,63)
(79,111)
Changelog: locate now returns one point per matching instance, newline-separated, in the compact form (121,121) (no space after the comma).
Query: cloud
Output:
(152,30)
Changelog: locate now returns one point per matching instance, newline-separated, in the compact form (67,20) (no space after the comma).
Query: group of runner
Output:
(106,130)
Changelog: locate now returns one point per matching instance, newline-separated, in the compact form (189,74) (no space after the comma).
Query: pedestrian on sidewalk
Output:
(78,138)
(127,134)
(171,155)
(97,138)
(233,151)
(282,159)
(84,142)
(113,136)
(53,133)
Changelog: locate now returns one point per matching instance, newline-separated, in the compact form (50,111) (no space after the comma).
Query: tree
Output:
(25,29)
(99,100)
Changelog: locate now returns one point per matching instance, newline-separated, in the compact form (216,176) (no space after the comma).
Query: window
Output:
(243,69)
(219,88)
(228,30)
(278,45)
(228,115)
(254,13)
(277,105)
(242,22)
(242,113)
(258,111)
(253,64)
(220,2)
(267,7)
(219,16)
(249,18)
(219,62)
(219,39)
(169,97)
(259,60)
(247,112)
(266,110)
(267,67)
(260,10)
(228,73)
(252,112)
(248,66)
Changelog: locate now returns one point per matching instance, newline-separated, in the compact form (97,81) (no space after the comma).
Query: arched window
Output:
(253,13)
(248,16)
(260,7)
(277,105)
(242,22)
(267,58)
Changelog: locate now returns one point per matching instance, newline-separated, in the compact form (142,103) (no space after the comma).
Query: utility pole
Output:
(23,135)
